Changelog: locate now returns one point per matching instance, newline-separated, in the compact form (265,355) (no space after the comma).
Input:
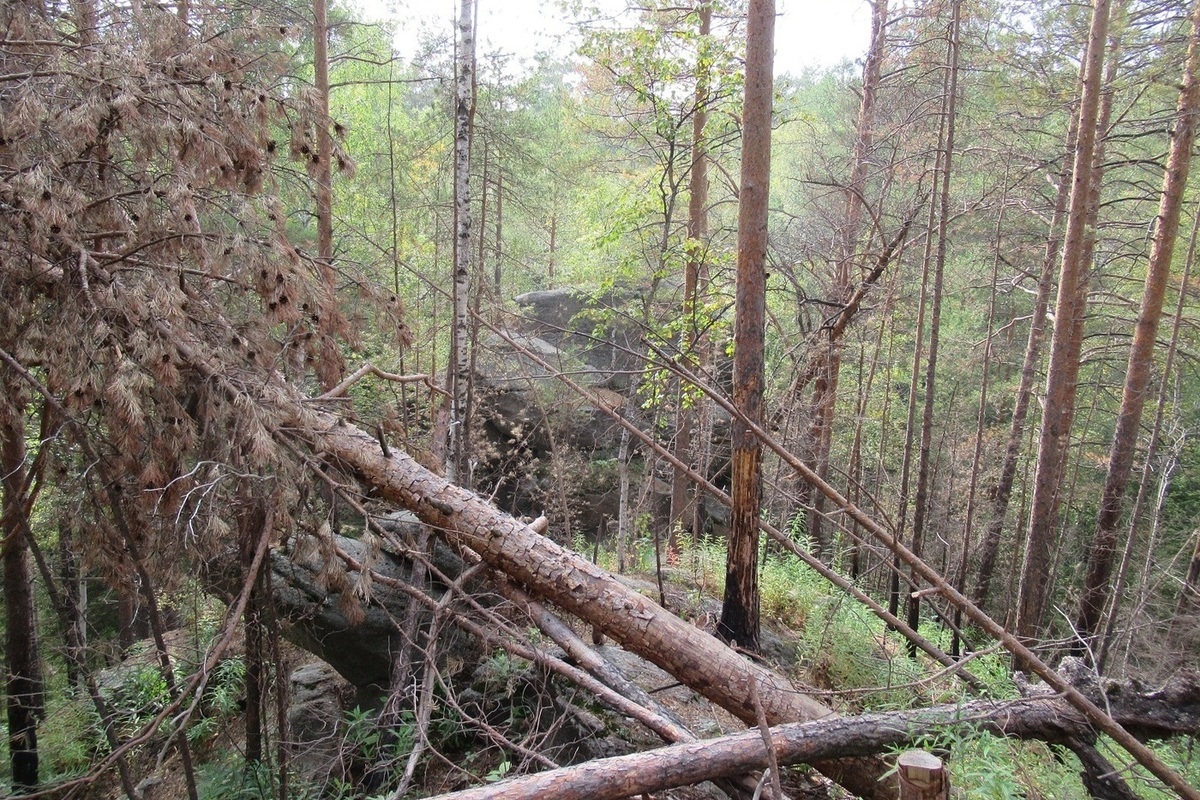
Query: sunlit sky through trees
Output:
(809,33)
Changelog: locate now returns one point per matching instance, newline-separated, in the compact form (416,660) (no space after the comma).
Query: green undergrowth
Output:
(839,646)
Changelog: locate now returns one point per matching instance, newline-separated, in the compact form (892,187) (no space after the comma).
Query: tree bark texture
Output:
(456,457)
(324,171)
(1066,342)
(331,367)
(739,615)
(1141,354)
(1171,711)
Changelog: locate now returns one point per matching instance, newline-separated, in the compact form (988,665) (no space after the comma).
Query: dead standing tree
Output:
(739,614)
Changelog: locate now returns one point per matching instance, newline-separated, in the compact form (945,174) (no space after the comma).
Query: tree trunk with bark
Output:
(1141,354)
(465,520)
(922,500)
(739,615)
(1151,463)
(990,547)
(252,522)
(829,355)
(456,456)
(23,674)
(981,414)
(1066,342)
(331,367)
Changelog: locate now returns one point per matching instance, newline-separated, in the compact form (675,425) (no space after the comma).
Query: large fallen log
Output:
(463,519)
(1172,710)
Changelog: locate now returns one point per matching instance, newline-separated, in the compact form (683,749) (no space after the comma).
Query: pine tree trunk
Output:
(739,615)
(1066,342)
(1141,353)
(251,531)
(624,509)
(960,575)
(824,398)
(1168,712)
(1135,517)
(864,393)
(331,368)
(497,269)
(552,573)
(914,386)
(75,597)
(23,674)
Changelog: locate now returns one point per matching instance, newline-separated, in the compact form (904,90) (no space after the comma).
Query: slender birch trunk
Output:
(456,456)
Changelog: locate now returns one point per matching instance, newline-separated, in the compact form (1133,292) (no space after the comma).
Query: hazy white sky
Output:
(807,32)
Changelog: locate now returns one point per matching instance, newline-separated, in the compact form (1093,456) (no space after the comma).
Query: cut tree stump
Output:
(922,776)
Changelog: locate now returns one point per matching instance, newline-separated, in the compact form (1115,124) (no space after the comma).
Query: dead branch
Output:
(833,329)
(370,369)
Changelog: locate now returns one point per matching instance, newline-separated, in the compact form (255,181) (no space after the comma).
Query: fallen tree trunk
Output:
(1172,710)
(695,658)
